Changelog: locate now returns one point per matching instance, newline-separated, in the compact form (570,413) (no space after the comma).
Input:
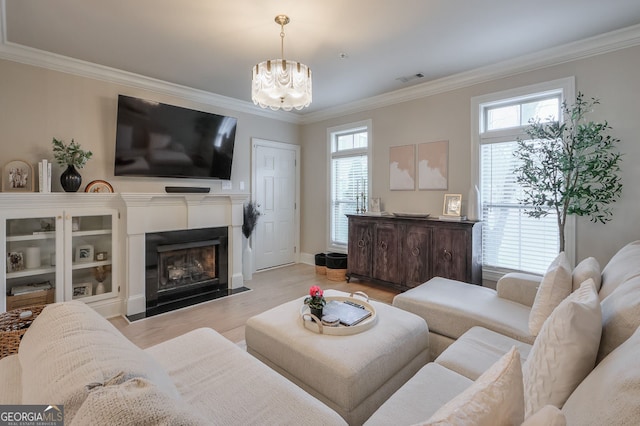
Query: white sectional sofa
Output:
(72,356)
(588,346)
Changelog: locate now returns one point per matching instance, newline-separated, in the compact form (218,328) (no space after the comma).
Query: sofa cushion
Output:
(452,307)
(495,399)
(620,316)
(548,415)
(587,268)
(477,350)
(419,398)
(565,350)
(10,380)
(622,266)
(70,346)
(226,385)
(609,395)
(555,286)
(131,403)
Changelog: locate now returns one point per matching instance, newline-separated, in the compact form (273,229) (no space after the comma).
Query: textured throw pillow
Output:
(547,416)
(565,350)
(620,316)
(555,286)
(587,268)
(609,395)
(133,402)
(495,399)
(622,266)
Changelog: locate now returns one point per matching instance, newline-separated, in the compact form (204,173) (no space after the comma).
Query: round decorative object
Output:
(100,289)
(70,179)
(101,186)
(330,321)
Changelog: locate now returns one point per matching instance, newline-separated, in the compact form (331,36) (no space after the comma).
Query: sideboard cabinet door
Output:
(416,249)
(385,252)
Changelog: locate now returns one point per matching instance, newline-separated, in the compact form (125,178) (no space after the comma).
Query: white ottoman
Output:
(352,374)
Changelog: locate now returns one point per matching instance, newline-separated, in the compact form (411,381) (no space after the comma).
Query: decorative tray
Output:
(314,324)
(412,215)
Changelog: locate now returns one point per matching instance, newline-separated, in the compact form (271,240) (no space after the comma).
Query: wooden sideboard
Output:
(406,252)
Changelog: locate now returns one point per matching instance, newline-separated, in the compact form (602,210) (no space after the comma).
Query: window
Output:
(511,240)
(349,158)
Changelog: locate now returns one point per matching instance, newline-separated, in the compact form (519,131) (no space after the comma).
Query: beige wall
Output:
(612,77)
(38,104)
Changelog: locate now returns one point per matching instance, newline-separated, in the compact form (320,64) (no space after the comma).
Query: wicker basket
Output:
(336,274)
(13,325)
(321,270)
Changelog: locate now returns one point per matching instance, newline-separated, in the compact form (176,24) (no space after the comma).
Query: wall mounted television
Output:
(159,140)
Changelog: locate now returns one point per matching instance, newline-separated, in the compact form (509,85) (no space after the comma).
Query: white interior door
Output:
(275,193)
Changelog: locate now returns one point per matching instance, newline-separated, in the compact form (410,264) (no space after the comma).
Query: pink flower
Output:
(315,291)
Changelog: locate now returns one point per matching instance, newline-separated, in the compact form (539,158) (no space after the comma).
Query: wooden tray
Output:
(340,330)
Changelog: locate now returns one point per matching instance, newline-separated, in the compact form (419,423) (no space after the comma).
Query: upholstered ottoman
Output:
(352,374)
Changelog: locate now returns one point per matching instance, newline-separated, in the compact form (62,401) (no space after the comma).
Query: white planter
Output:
(247,261)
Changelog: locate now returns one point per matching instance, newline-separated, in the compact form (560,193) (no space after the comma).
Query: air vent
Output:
(409,78)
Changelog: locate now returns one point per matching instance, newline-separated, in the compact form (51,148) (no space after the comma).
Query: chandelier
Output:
(278,83)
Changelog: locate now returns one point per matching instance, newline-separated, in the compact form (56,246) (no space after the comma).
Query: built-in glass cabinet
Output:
(55,255)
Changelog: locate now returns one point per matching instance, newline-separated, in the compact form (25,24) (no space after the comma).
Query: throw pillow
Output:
(565,350)
(547,416)
(133,402)
(622,266)
(620,316)
(587,268)
(495,399)
(555,286)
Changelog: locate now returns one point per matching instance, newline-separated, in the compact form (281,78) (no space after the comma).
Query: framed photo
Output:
(433,165)
(15,261)
(402,168)
(452,205)
(82,290)
(101,255)
(100,186)
(84,253)
(17,176)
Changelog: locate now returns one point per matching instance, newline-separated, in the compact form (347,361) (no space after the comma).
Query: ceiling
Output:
(211,45)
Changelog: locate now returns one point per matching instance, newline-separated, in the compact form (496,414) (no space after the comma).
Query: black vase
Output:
(70,179)
(317,312)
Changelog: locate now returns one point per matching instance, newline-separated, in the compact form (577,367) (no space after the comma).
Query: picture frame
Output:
(84,253)
(17,176)
(452,205)
(99,186)
(82,290)
(101,256)
(15,261)
(433,166)
(402,168)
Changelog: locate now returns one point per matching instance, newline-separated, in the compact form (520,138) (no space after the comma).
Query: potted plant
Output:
(570,167)
(251,215)
(70,156)
(316,301)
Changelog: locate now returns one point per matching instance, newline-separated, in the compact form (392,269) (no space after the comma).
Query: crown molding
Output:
(593,46)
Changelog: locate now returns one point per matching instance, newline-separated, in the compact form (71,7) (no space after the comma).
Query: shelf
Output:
(89,233)
(31,272)
(32,237)
(87,265)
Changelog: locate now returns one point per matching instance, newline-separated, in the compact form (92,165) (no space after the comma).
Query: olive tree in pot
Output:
(251,215)
(569,167)
(70,156)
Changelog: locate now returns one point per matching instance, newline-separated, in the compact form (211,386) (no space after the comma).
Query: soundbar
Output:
(187,189)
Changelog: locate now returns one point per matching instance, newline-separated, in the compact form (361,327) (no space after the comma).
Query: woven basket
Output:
(336,274)
(13,327)
(321,270)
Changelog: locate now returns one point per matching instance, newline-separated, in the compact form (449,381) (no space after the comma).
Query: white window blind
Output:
(511,240)
(349,178)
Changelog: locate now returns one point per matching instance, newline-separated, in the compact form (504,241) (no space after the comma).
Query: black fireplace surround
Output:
(185,267)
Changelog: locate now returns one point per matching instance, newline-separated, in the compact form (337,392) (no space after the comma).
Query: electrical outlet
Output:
(241,185)
(226,184)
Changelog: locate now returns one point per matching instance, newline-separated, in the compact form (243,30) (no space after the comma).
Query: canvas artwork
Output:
(402,173)
(433,165)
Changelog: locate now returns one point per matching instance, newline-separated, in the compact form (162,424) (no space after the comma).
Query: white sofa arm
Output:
(519,287)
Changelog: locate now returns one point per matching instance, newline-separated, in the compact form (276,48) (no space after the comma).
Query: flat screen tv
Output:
(159,140)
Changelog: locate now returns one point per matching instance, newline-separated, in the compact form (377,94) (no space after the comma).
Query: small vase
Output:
(317,312)
(247,262)
(100,288)
(70,179)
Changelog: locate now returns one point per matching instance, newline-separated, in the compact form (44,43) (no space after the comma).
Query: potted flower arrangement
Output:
(71,156)
(316,301)
(251,214)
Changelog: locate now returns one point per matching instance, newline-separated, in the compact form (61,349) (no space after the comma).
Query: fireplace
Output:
(185,267)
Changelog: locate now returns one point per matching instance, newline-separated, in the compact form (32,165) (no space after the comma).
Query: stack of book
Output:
(44,175)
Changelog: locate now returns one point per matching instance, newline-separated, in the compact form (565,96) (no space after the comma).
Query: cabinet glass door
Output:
(32,251)
(90,241)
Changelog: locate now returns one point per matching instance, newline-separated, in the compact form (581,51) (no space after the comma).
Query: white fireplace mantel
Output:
(146,213)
